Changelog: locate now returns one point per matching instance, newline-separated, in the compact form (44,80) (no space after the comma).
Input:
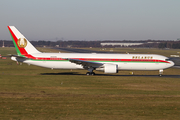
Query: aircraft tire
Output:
(88,73)
(92,73)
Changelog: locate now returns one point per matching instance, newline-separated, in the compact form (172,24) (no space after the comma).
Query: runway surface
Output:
(76,73)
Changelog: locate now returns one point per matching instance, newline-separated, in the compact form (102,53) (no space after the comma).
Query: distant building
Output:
(3,44)
(121,44)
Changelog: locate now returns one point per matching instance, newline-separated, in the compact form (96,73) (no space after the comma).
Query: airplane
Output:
(108,63)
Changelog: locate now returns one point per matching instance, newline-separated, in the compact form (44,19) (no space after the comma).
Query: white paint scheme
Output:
(72,63)
(122,44)
(121,65)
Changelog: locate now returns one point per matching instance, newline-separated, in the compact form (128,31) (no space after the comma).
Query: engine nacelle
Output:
(110,68)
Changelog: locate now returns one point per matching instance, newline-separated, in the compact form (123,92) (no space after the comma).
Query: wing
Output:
(86,64)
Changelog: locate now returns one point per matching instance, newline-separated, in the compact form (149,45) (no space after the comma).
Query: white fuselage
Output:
(123,61)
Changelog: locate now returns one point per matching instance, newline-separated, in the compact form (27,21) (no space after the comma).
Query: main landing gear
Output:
(90,71)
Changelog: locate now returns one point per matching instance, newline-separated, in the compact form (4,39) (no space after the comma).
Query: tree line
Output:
(146,44)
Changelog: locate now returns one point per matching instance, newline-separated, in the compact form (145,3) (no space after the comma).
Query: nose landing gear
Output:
(160,72)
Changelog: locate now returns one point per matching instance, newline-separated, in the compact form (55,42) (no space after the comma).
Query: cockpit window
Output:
(168,59)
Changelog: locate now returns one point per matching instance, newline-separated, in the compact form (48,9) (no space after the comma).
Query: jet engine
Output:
(110,68)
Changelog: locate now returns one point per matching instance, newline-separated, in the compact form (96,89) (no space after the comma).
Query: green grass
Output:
(35,93)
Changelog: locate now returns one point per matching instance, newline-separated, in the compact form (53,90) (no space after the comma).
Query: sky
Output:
(91,19)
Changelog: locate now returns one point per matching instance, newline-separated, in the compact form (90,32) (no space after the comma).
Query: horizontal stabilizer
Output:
(17,56)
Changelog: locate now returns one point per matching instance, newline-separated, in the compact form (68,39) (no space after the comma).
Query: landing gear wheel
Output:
(160,72)
(92,73)
(88,73)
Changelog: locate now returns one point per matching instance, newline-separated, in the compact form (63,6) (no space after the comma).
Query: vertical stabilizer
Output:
(22,45)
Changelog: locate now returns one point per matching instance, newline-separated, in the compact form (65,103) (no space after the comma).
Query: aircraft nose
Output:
(171,63)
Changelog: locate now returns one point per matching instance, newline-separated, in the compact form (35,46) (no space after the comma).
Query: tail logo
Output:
(22,42)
